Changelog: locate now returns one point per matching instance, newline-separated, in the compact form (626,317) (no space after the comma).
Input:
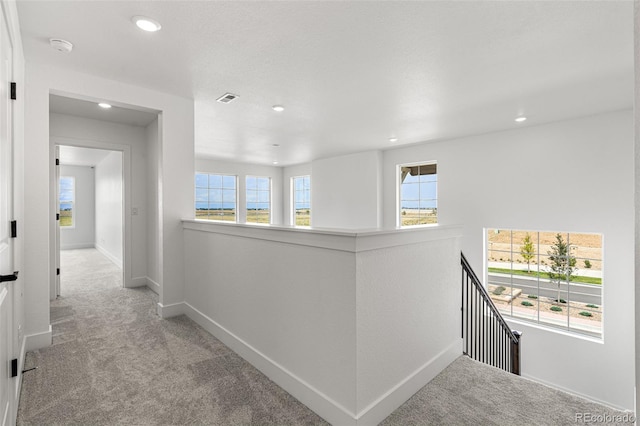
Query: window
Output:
(258,199)
(418,194)
(550,278)
(216,197)
(67,194)
(301,201)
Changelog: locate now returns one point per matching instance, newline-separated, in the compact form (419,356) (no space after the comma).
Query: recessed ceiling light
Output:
(521,119)
(146,24)
(104,105)
(275,162)
(278,108)
(393,140)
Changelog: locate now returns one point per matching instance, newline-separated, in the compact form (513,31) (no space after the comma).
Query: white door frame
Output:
(55,141)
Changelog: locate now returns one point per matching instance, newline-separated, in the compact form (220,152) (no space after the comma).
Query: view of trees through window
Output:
(551,278)
(258,199)
(216,197)
(418,194)
(302,200)
(67,192)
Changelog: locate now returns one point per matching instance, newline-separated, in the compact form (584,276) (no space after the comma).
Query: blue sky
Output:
(66,192)
(419,192)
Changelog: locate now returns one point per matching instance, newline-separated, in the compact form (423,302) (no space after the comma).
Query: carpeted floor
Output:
(114,361)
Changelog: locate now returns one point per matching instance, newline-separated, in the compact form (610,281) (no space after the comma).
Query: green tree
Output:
(527,251)
(562,263)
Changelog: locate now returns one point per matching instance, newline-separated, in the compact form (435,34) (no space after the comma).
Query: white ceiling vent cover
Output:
(226,98)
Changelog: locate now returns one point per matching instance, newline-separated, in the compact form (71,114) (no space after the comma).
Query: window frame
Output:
(74,207)
(256,190)
(399,200)
(293,200)
(571,324)
(209,188)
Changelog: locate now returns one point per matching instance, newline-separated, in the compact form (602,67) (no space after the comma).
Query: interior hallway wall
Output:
(153,216)
(568,176)
(82,234)
(109,205)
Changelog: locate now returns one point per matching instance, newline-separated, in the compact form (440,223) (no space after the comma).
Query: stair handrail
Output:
(494,358)
(485,295)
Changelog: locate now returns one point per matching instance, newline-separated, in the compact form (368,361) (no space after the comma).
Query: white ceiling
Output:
(350,74)
(86,109)
(76,156)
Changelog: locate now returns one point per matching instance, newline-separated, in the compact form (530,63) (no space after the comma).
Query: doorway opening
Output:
(90,221)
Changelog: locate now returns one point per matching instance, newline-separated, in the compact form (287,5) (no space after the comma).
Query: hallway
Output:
(114,361)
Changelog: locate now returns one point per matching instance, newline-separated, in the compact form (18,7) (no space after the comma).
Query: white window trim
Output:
(399,192)
(292,202)
(236,197)
(246,190)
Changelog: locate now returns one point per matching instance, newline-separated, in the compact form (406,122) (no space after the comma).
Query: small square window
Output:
(216,197)
(418,194)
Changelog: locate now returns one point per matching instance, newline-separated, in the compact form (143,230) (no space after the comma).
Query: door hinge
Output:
(57,271)
(57,216)
(14,228)
(57,161)
(14,367)
(13,91)
(10,277)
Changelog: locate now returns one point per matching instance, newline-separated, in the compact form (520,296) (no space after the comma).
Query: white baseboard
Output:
(154,286)
(172,310)
(109,256)
(324,406)
(399,394)
(137,282)
(75,246)
(38,340)
(576,393)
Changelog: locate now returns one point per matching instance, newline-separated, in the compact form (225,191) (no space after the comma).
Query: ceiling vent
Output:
(226,98)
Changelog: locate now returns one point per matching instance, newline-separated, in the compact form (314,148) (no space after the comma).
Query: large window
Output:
(551,278)
(216,197)
(301,201)
(418,194)
(258,199)
(67,193)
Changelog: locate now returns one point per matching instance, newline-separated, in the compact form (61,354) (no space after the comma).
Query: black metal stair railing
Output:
(486,335)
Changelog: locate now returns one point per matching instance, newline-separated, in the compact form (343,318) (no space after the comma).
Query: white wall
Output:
(347,191)
(153,208)
(176,177)
(82,234)
(109,205)
(510,180)
(287,194)
(242,170)
(327,315)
